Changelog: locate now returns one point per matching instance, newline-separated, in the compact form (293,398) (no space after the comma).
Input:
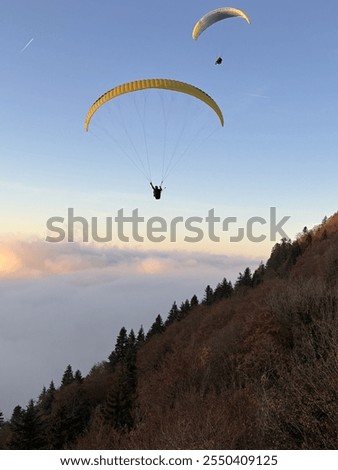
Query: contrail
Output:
(28,43)
(256,95)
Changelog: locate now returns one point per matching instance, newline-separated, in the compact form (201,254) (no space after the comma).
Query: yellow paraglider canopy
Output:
(163,83)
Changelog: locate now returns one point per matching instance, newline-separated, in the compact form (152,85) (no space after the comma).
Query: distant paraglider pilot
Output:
(157,190)
(219,60)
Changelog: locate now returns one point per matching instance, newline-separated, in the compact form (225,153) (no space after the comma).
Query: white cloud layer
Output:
(65,304)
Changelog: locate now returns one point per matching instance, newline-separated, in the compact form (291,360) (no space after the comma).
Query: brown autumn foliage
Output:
(258,370)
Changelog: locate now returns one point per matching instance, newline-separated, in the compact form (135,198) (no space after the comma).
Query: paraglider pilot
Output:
(218,61)
(157,190)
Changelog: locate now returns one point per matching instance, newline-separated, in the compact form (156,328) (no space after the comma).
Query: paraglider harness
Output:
(157,190)
(218,61)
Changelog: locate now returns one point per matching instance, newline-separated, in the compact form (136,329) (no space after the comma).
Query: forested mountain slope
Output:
(250,366)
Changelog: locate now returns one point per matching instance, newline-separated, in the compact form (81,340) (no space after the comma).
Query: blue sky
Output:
(277,88)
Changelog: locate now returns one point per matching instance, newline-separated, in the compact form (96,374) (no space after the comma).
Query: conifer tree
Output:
(187,305)
(117,409)
(27,428)
(173,314)
(42,394)
(119,406)
(58,428)
(121,343)
(131,340)
(244,280)
(78,377)
(247,277)
(131,369)
(156,328)
(120,347)
(223,290)
(208,296)
(184,308)
(16,418)
(68,376)
(194,301)
(2,419)
(47,400)
(227,288)
(218,292)
(140,336)
(16,425)
(51,388)
(279,255)
(69,419)
(258,275)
